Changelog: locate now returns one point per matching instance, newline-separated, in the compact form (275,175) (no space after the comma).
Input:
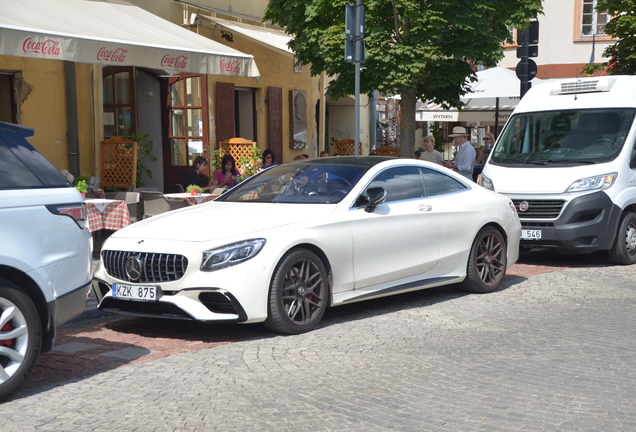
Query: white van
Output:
(567,159)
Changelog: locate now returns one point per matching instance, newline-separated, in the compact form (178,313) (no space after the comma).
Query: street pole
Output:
(359,46)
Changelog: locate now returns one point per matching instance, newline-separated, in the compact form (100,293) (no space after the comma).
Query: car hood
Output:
(218,220)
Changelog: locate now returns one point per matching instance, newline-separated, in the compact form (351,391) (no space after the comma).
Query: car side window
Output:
(400,183)
(437,183)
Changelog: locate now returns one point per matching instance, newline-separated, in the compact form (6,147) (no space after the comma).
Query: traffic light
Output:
(354,31)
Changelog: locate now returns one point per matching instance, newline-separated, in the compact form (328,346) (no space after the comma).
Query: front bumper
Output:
(586,224)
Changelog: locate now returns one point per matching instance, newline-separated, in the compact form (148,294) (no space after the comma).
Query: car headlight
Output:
(601,182)
(485,182)
(232,254)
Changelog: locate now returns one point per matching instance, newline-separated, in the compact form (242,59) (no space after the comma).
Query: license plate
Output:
(531,234)
(135,292)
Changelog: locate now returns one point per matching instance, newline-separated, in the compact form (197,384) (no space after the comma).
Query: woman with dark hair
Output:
(228,175)
(269,160)
(199,166)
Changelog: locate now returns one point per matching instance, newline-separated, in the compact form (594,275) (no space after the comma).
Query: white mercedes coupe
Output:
(282,246)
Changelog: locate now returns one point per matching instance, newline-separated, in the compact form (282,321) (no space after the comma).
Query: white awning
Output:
(268,37)
(112,32)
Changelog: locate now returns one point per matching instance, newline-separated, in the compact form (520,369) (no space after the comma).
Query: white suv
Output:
(45,255)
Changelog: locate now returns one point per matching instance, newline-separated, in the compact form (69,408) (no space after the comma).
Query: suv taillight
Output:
(75,211)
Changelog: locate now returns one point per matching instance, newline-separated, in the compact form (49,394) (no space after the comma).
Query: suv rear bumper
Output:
(62,310)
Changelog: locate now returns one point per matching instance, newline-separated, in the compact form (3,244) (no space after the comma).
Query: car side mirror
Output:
(377,196)
(632,159)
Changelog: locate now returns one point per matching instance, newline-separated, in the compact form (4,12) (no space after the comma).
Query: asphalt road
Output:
(554,350)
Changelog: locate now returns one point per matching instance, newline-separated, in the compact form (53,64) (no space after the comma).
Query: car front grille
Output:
(539,209)
(153,267)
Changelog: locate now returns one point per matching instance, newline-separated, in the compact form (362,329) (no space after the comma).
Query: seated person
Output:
(199,167)
(228,175)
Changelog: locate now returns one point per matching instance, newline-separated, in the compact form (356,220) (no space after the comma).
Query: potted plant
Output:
(194,190)
(82,187)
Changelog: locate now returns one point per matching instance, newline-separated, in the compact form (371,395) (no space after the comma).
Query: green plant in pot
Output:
(190,188)
(82,186)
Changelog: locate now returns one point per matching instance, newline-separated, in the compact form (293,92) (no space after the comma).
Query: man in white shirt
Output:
(465,159)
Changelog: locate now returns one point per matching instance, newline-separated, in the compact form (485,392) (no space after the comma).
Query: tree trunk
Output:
(407,123)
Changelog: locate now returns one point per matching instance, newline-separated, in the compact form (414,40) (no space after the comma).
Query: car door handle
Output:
(425,208)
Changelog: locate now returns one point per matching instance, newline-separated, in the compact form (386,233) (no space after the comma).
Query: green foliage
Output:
(250,164)
(622,26)
(81,186)
(80,178)
(216,163)
(420,49)
(192,187)
(144,149)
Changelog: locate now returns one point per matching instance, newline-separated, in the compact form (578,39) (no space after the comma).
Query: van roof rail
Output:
(584,85)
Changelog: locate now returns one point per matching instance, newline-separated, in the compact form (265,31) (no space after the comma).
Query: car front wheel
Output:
(298,293)
(486,266)
(20,338)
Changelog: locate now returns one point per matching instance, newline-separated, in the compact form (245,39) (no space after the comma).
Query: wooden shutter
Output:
(225,123)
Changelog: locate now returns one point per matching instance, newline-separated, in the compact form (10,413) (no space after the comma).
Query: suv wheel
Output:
(20,337)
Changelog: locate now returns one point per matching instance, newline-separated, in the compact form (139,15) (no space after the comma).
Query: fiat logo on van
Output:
(523,206)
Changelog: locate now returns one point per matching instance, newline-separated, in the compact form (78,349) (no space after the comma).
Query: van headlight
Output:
(601,182)
(232,254)
(485,182)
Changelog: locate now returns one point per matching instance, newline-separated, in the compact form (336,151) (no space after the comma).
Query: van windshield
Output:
(560,138)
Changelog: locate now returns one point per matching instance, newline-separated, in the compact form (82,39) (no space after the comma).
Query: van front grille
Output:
(538,209)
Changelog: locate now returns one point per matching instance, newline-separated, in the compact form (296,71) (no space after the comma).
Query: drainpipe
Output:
(71,118)
(373,126)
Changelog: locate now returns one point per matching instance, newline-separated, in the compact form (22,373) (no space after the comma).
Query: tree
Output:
(622,26)
(420,49)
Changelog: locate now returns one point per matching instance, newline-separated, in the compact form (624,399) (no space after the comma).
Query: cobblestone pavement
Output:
(554,351)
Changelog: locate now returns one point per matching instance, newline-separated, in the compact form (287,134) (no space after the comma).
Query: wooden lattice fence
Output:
(119,163)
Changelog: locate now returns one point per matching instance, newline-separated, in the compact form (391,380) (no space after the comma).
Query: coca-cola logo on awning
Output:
(179,62)
(47,47)
(115,56)
(234,67)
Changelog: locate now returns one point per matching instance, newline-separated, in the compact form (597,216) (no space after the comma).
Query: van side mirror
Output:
(377,196)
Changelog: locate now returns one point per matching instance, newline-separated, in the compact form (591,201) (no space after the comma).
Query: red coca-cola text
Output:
(234,67)
(116,56)
(179,62)
(47,47)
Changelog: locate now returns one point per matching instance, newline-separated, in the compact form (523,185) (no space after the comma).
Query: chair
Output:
(345,147)
(388,151)
(155,203)
(132,199)
(179,187)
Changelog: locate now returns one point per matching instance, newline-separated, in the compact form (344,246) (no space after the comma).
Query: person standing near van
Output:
(430,154)
(465,159)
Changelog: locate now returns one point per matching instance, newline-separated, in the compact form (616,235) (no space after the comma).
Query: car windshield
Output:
(563,138)
(300,182)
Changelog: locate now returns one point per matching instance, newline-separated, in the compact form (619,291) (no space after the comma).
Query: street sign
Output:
(532,68)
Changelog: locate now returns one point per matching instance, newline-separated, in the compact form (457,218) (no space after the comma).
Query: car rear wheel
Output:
(298,293)
(624,249)
(486,266)
(20,338)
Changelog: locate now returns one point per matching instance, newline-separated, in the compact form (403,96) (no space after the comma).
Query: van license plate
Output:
(135,292)
(531,234)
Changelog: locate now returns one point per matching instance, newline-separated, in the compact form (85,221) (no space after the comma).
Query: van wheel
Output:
(20,338)
(624,249)
(486,266)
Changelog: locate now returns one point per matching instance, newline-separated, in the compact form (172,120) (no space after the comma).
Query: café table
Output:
(107,214)
(191,199)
